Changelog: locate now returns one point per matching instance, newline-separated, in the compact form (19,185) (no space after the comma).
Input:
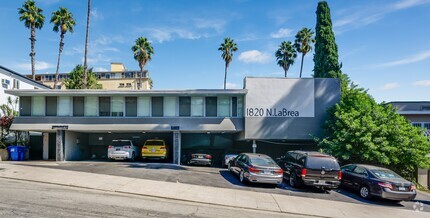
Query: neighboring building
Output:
(118,78)
(271,115)
(418,113)
(11,80)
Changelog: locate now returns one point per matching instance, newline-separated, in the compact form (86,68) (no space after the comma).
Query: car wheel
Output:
(242,177)
(293,180)
(364,192)
(133,157)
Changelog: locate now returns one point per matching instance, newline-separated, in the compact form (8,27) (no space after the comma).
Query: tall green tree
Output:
(303,43)
(142,52)
(228,47)
(74,80)
(33,19)
(326,53)
(85,75)
(285,55)
(63,22)
(359,130)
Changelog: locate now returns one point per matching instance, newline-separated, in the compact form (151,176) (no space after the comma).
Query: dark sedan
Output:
(371,181)
(201,159)
(257,168)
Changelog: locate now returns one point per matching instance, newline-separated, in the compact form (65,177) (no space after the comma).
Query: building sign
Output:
(269,97)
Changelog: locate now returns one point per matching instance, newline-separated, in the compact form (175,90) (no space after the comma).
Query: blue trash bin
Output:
(21,152)
(13,153)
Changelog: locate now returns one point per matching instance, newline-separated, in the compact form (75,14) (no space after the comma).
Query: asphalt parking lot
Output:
(220,177)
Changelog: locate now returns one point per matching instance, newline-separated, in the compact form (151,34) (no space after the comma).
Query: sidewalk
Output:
(202,194)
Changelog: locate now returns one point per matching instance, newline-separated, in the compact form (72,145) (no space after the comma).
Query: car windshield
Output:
(262,161)
(385,174)
(154,143)
(322,162)
(120,143)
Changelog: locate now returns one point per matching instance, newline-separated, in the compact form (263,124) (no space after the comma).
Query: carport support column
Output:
(59,141)
(254,147)
(177,147)
(45,138)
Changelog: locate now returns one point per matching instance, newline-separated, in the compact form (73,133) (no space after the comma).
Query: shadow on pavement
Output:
(373,201)
(156,166)
(233,179)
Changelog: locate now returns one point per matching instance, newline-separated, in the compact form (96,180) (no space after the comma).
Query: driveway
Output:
(219,177)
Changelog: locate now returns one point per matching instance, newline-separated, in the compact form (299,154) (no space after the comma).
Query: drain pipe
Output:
(254,147)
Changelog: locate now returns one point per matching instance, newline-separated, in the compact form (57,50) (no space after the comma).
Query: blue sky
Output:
(384,45)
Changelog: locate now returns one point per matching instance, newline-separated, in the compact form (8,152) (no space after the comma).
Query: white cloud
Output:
(96,14)
(254,56)
(282,33)
(216,24)
(162,34)
(232,85)
(362,16)
(422,83)
(407,60)
(39,65)
(390,86)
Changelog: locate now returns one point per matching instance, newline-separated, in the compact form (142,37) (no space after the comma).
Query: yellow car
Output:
(154,148)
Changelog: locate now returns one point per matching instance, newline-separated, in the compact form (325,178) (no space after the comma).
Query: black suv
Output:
(310,168)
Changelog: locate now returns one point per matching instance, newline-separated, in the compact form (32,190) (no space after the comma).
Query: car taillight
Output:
(144,147)
(208,156)
(304,171)
(413,187)
(126,147)
(110,147)
(253,170)
(163,147)
(385,185)
(339,175)
(279,171)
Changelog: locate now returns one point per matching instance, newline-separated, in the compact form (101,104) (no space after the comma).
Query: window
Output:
(169,107)
(427,126)
(360,171)
(107,76)
(157,106)
(223,106)
(128,84)
(64,106)
(211,106)
(15,84)
(117,106)
(104,106)
(130,106)
(51,106)
(184,106)
(197,106)
(322,162)
(91,103)
(25,106)
(121,85)
(234,106)
(347,168)
(143,106)
(78,106)
(425,108)
(38,106)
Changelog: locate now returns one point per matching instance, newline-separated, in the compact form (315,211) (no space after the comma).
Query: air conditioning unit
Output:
(5,82)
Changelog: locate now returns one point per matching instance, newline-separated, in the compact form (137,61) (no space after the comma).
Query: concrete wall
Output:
(76,146)
(326,94)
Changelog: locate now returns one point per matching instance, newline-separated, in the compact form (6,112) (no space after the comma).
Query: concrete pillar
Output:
(177,147)
(59,141)
(45,138)
(254,147)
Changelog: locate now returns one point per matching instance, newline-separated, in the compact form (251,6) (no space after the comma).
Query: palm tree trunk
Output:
(225,76)
(301,67)
(285,70)
(32,53)
(84,82)
(58,61)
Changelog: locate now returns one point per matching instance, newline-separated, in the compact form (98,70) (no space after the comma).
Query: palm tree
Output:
(303,43)
(142,51)
(84,85)
(63,21)
(228,47)
(285,55)
(33,19)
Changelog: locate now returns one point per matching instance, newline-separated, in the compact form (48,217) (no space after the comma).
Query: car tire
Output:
(242,178)
(133,157)
(293,180)
(364,192)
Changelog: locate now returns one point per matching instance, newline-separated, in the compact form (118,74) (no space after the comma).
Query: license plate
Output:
(321,182)
(153,150)
(266,171)
(402,189)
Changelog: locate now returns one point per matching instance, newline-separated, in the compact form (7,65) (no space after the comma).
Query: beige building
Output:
(118,78)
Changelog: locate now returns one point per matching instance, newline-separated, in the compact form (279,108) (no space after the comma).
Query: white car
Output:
(122,150)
